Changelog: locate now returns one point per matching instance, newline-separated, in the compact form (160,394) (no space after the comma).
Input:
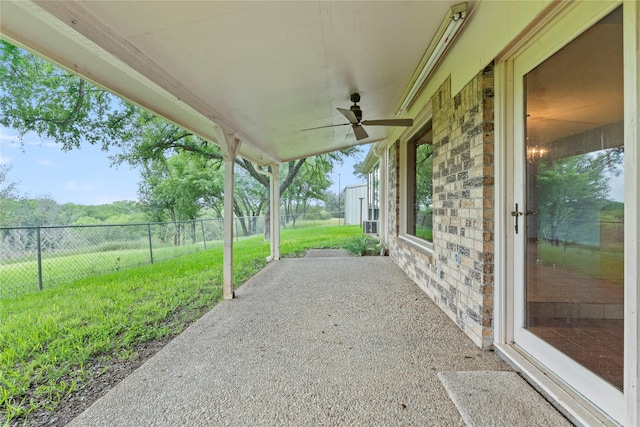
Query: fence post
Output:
(566,238)
(204,239)
(150,245)
(39,258)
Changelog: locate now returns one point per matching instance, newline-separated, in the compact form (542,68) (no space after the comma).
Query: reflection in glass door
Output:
(573,219)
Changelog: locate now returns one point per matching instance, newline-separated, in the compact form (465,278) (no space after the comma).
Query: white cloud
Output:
(29,139)
(45,162)
(4,160)
(8,138)
(74,186)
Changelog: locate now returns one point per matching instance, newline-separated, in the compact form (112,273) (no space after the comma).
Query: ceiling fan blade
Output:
(322,127)
(350,115)
(359,132)
(388,122)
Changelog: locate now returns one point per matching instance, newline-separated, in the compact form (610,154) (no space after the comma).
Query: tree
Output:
(251,198)
(8,190)
(55,104)
(331,203)
(424,175)
(8,195)
(358,170)
(178,187)
(310,184)
(24,212)
(574,187)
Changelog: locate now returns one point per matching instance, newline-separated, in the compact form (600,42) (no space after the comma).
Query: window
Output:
(420,185)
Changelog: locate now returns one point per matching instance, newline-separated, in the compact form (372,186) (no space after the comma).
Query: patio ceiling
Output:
(260,70)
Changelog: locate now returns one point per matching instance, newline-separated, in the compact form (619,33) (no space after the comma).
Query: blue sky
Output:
(86,176)
(82,176)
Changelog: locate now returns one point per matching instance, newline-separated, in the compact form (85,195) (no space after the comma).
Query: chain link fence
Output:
(37,258)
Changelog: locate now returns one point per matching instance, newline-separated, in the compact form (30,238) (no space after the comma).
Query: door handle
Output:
(515,214)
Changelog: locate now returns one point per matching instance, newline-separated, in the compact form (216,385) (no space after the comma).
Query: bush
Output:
(363,245)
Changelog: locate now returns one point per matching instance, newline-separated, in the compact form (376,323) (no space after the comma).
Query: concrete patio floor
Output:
(320,340)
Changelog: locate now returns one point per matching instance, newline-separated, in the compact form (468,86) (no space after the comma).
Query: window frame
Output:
(422,124)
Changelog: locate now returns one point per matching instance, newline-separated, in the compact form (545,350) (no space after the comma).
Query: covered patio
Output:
(323,340)
(274,82)
(262,80)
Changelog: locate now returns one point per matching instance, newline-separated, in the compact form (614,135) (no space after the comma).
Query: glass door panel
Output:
(574,195)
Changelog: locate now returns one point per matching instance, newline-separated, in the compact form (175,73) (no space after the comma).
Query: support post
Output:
(150,243)
(274,208)
(227,255)
(275,211)
(229,146)
(39,243)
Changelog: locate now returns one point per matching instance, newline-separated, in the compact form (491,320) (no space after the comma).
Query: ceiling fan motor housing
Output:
(357,111)
(355,98)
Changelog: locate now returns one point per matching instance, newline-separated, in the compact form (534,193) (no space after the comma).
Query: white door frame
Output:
(560,26)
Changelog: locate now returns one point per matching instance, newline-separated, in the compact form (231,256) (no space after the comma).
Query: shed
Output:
(355,203)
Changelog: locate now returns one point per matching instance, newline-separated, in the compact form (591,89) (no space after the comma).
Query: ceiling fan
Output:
(354,115)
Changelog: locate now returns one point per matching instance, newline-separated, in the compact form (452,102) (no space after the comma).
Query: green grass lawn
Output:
(425,233)
(21,276)
(46,338)
(582,260)
(17,278)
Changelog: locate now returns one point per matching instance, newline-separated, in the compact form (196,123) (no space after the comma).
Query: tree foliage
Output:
(55,104)
(424,175)
(178,187)
(44,211)
(8,189)
(575,187)
(308,185)
(358,170)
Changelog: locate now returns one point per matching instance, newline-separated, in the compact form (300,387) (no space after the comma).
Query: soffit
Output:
(260,70)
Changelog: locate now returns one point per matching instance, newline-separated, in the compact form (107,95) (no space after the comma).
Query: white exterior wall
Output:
(352,195)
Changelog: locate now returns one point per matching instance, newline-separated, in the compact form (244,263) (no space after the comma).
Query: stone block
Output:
(591,311)
(613,311)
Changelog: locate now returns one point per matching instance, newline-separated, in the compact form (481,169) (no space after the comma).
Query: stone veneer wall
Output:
(463,209)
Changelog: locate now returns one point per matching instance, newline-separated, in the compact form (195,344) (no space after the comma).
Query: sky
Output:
(86,176)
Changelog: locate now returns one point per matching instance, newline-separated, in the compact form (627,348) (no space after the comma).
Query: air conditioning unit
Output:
(370,227)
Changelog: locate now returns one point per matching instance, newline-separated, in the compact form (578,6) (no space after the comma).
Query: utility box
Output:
(370,227)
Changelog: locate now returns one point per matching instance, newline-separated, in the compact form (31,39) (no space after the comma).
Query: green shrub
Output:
(363,245)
